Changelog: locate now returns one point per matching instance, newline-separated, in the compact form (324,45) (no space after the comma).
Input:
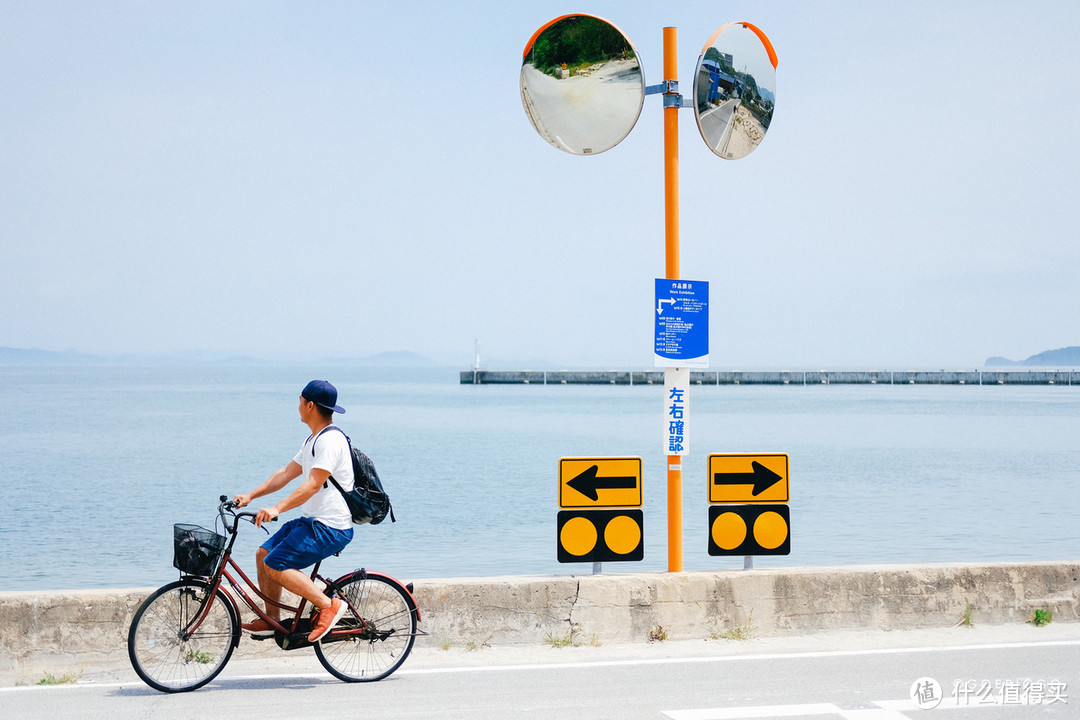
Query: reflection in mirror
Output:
(581,84)
(735,90)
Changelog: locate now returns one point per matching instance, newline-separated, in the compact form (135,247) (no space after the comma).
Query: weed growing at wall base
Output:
(1039,618)
(560,641)
(741,632)
(51,679)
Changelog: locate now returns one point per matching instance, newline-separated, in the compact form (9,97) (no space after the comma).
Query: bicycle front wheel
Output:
(372,642)
(165,653)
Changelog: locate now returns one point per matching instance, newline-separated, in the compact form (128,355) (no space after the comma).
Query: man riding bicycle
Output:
(324,528)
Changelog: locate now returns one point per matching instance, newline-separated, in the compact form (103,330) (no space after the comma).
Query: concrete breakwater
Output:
(777,377)
(69,632)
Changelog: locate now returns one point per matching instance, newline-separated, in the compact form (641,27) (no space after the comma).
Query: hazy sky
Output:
(348,178)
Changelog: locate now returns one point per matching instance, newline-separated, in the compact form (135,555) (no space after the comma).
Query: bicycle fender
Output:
(369,573)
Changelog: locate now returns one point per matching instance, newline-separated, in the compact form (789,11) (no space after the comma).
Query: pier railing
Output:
(775,377)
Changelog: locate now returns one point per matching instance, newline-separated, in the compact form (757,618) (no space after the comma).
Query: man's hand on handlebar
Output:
(265,515)
(269,514)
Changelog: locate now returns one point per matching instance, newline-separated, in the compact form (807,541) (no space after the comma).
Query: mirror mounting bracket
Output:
(670,91)
(676,101)
(668,87)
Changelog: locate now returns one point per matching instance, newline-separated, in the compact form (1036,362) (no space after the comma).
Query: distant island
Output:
(34,356)
(1067,357)
(1062,357)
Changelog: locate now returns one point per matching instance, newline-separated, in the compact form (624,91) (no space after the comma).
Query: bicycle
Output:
(184,633)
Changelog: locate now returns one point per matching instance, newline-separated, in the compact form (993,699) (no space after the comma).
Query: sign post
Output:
(672,103)
(587,114)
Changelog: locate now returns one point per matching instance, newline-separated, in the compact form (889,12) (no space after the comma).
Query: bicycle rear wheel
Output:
(158,651)
(384,626)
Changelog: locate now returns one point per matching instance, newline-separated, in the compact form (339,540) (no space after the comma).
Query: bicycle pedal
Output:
(295,640)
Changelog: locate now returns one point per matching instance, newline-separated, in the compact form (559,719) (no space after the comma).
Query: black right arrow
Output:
(587,483)
(762,478)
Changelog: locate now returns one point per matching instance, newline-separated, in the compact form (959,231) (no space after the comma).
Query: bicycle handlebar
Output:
(226,507)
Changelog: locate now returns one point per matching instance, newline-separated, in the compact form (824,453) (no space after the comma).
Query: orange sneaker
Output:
(326,619)
(258,628)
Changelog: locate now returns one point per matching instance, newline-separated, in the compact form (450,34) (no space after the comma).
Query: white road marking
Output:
(754,711)
(874,714)
(799,710)
(597,663)
(883,710)
(732,658)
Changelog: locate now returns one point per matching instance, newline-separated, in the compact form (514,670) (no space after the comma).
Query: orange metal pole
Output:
(671,255)
(671,160)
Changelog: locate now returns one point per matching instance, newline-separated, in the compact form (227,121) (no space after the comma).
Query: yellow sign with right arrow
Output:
(748,479)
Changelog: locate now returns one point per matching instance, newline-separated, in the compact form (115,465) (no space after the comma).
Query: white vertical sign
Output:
(676,411)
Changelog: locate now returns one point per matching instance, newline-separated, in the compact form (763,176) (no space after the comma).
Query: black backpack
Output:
(367,501)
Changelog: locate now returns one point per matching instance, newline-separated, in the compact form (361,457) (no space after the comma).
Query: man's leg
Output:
(297,582)
(299,543)
(269,586)
(306,543)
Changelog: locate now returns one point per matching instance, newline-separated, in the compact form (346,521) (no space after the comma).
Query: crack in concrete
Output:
(573,604)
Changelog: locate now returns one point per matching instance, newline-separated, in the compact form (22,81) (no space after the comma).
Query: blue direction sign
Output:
(682,323)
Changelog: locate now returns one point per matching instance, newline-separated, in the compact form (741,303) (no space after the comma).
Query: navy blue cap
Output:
(322,394)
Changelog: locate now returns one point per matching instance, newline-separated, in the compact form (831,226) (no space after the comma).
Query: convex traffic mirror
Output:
(735,90)
(582,84)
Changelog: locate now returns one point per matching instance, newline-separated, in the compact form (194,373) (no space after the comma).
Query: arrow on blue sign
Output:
(681,329)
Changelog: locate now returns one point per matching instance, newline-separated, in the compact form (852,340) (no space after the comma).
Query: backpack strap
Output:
(331,478)
(347,440)
(328,427)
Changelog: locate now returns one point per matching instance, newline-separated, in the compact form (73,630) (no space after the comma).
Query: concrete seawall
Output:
(69,632)
(778,377)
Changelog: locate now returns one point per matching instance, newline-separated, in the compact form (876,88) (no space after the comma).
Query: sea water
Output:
(97,463)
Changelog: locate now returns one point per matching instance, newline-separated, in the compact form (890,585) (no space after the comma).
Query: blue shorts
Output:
(302,542)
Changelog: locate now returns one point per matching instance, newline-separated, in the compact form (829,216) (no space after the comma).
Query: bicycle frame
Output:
(183,634)
(286,626)
(291,635)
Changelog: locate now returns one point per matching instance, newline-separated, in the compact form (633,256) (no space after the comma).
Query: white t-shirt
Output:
(331,453)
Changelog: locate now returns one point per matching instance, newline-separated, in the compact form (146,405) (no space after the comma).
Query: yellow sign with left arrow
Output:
(608,482)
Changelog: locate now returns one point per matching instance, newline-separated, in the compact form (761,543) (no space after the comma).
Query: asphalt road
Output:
(980,673)
(592,112)
(714,122)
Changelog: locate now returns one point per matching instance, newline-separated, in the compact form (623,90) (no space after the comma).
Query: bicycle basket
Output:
(196,550)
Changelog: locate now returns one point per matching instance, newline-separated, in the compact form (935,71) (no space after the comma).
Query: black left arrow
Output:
(762,478)
(587,483)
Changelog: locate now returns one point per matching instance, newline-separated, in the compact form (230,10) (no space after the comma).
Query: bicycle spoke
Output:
(382,611)
(158,651)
